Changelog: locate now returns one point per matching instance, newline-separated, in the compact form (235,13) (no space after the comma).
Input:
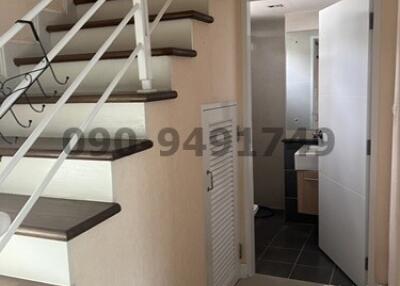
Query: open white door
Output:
(343,107)
(221,188)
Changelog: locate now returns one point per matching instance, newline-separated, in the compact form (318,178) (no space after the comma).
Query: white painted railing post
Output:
(142,28)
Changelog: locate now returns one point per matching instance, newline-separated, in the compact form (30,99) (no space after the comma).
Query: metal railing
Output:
(142,52)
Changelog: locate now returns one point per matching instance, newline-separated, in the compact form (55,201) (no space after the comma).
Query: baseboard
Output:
(244,271)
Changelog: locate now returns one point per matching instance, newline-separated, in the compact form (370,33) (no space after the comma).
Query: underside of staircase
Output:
(19,282)
(81,198)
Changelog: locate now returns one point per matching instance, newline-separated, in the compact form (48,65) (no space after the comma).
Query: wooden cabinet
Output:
(308,189)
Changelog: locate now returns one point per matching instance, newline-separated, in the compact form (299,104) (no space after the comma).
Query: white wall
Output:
(268,91)
(302,21)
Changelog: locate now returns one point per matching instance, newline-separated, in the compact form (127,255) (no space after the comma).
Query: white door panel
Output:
(343,231)
(343,108)
(338,114)
(220,173)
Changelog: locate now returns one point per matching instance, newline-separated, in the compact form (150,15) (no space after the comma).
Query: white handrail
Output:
(17,27)
(64,155)
(26,146)
(38,69)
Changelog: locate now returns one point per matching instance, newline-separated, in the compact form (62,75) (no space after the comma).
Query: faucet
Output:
(318,134)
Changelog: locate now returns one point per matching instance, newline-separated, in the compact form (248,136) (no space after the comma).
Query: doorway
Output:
(292,238)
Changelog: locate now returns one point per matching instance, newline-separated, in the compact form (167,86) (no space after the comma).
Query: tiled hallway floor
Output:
(263,280)
(290,250)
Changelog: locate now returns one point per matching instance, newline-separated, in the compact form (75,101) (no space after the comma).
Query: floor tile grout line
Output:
(269,244)
(278,262)
(267,247)
(333,269)
(312,266)
(298,257)
(288,248)
(332,275)
(262,253)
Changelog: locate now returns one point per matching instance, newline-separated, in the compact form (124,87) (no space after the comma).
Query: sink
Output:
(306,159)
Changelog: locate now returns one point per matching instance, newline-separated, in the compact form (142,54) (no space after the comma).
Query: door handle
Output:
(211,182)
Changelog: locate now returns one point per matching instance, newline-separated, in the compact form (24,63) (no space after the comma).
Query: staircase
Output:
(80,200)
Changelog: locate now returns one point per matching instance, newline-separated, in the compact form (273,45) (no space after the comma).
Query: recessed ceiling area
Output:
(272,8)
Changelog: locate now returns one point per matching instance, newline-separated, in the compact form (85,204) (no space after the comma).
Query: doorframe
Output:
(248,268)
(383,67)
(314,97)
(382,91)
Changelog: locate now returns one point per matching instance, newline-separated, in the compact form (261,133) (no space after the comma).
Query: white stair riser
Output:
(11,51)
(35,259)
(112,117)
(29,47)
(176,34)
(77,179)
(102,74)
(118,9)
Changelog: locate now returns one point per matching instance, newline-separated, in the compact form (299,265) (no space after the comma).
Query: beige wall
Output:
(16,9)
(159,238)
(268,93)
(383,89)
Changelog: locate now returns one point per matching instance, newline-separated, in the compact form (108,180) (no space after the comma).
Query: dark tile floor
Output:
(290,250)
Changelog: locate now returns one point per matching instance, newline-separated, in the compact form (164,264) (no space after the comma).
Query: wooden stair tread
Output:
(52,147)
(189,14)
(125,97)
(8,281)
(58,219)
(107,56)
(80,2)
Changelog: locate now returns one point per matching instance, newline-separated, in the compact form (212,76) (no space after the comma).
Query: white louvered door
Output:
(221,188)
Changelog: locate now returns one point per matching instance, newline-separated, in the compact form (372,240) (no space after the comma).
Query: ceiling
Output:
(260,9)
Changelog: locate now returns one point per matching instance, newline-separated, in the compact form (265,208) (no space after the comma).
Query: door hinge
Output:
(240,251)
(366,263)
(239,133)
(371,20)
(369,147)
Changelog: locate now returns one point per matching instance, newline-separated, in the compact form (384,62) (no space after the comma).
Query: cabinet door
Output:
(308,202)
(220,173)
